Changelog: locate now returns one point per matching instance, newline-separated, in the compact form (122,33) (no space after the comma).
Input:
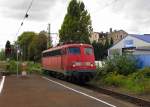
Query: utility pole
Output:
(49,38)
(17,59)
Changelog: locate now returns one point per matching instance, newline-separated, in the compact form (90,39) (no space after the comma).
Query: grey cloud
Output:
(39,11)
(137,11)
(106,3)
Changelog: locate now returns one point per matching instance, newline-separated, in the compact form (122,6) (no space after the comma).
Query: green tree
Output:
(77,24)
(106,47)
(38,44)
(43,41)
(48,39)
(107,43)
(111,42)
(98,50)
(24,42)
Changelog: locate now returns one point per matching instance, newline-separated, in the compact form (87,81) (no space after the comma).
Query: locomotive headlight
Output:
(92,65)
(73,65)
(76,64)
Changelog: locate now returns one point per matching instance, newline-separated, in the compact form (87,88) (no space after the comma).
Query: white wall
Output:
(136,43)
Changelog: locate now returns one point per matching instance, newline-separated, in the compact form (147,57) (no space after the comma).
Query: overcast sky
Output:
(132,16)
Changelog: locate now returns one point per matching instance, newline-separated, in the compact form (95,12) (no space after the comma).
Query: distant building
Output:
(101,37)
(117,35)
(137,45)
(94,37)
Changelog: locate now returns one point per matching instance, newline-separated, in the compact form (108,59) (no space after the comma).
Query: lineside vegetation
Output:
(121,72)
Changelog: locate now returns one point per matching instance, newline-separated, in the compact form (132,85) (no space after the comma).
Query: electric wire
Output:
(25,16)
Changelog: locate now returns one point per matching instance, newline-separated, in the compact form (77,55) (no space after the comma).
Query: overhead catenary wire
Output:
(25,16)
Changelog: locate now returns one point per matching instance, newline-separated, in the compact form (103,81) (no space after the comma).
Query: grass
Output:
(136,83)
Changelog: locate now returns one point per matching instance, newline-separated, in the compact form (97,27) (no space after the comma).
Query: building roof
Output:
(145,38)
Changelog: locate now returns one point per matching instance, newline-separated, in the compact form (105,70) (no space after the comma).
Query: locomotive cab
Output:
(80,62)
(75,61)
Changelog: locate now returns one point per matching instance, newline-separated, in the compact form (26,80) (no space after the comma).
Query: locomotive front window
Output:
(88,51)
(74,50)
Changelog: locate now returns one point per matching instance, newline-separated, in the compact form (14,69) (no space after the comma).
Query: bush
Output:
(12,67)
(34,67)
(100,73)
(137,82)
(124,82)
(142,78)
(114,79)
(31,67)
(122,64)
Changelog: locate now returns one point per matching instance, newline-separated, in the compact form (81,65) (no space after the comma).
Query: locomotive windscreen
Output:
(88,51)
(74,50)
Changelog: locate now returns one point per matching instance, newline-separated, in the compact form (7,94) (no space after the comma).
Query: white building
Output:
(138,45)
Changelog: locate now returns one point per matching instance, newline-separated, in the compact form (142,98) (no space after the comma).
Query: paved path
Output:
(36,91)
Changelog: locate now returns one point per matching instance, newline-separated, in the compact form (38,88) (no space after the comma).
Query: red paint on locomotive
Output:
(70,59)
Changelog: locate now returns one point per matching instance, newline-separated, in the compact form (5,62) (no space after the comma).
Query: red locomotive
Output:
(72,61)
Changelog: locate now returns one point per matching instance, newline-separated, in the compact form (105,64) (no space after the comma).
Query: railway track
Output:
(138,101)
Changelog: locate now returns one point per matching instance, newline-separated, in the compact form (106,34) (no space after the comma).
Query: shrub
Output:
(114,79)
(137,82)
(141,74)
(142,79)
(34,67)
(122,64)
(100,73)
(124,82)
(31,67)
(12,67)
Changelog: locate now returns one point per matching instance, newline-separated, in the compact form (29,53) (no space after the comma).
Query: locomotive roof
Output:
(66,45)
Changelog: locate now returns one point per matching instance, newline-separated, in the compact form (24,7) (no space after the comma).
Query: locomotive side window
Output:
(63,51)
(52,53)
(88,51)
(74,50)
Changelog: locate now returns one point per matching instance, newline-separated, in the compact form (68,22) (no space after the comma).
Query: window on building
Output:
(128,50)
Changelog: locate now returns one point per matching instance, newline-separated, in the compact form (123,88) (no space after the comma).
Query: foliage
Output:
(32,44)
(77,24)
(34,67)
(38,44)
(114,79)
(122,64)
(137,82)
(142,73)
(111,42)
(142,77)
(31,67)
(12,67)
(46,40)
(126,83)
(24,42)
(2,55)
(100,49)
